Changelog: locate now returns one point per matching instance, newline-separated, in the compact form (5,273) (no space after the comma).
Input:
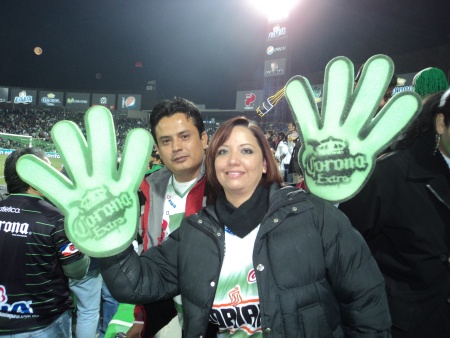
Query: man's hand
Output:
(135,330)
(340,144)
(99,201)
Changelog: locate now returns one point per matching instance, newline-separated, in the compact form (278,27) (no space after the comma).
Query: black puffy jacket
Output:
(315,274)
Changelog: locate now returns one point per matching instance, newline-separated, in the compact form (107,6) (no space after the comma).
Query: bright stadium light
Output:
(275,10)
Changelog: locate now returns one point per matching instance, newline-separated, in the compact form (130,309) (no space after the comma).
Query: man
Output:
(283,155)
(36,260)
(155,163)
(173,192)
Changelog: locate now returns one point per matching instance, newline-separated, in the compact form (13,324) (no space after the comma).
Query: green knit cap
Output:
(430,80)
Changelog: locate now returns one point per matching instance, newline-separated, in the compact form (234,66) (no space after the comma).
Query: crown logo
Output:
(93,197)
(51,95)
(331,146)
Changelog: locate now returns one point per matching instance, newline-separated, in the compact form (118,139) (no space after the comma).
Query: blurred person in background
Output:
(36,260)
(403,213)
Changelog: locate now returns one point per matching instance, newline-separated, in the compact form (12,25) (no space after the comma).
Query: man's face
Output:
(274,66)
(180,147)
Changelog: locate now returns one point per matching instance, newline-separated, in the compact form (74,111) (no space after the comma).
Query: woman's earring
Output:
(438,140)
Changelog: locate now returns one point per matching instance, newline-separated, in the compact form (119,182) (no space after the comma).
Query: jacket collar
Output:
(283,202)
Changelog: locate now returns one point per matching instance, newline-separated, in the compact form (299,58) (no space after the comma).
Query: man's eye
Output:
(165,141)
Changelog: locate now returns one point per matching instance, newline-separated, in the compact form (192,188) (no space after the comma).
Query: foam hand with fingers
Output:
(99,201)
(340,144)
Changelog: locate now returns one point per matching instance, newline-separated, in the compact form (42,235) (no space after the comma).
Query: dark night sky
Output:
(198,49)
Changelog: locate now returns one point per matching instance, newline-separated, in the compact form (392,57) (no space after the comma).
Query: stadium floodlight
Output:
(275,9)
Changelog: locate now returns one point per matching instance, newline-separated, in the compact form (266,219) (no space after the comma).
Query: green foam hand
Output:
(99,200)
(340,145)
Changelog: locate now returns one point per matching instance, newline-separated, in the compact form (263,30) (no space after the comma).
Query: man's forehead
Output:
(174,125)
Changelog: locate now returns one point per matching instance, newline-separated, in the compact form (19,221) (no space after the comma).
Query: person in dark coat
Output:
(403,212)
(261,259)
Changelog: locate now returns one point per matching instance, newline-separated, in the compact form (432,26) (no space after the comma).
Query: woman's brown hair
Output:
(220,137)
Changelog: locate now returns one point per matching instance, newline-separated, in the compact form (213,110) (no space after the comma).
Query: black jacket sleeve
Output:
(143,279)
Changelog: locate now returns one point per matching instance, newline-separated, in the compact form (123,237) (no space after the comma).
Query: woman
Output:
(403,212)
(261,258)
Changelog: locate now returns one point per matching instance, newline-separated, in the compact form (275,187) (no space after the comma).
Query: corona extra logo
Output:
(331,162)
(101,213)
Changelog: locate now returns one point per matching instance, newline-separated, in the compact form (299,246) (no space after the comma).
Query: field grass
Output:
(56,162)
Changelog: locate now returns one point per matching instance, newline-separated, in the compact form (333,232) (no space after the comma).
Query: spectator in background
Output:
(155,162)
(283,155)
(36,260)
(294,165)
(87,291)
(430,80)
(403,212)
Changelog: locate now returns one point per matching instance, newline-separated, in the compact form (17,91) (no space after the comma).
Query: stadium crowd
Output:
(38,123)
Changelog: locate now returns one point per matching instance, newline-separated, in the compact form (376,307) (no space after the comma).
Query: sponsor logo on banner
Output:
(274,67)
(106,100)
(76,101)
(272,50)
(4,94)
(129,102)
(249,99)
(23,98)
(277,32)
(50,100)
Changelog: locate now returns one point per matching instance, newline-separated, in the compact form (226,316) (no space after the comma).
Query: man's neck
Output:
(32,191)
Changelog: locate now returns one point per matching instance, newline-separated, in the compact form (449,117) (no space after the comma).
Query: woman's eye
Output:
(247,151)
(221,152)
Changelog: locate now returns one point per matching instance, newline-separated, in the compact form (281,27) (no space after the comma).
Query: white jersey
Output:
(236,304)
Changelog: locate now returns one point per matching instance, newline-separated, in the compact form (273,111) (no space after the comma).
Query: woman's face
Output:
(444,132)
(239,165)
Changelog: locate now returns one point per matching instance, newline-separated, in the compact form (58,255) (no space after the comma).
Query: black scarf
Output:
(243,220)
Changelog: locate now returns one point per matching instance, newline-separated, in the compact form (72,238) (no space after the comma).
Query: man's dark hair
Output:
(282,136)
(167,108)
(13,182)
